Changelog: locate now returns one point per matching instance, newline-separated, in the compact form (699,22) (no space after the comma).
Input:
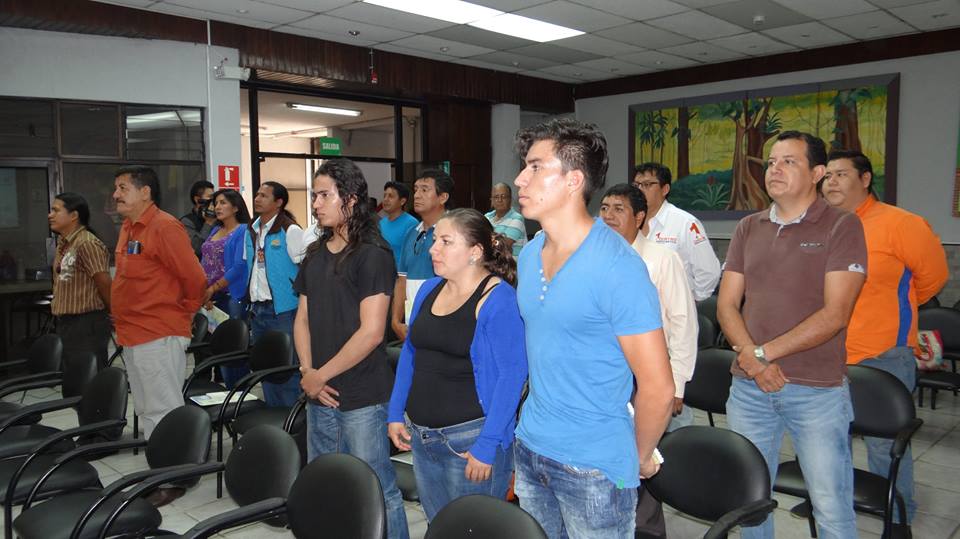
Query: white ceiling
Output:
(623,37)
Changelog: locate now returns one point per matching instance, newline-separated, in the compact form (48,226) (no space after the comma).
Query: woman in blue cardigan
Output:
(462,368)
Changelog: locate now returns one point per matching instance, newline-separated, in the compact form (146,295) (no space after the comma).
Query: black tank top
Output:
(443,391)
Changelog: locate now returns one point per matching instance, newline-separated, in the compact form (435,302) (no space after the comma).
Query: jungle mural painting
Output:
(717,145)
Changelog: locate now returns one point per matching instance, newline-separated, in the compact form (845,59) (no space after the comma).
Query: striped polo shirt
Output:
(80,256)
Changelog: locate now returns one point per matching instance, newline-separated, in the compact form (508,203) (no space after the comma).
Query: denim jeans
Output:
(899,362)
(818,420)
(683,419)
(263,319)
(363,434)
(231,374)
(439,468)
(570,502)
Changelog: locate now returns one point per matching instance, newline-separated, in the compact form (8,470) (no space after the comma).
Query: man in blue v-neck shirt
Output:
(593,325)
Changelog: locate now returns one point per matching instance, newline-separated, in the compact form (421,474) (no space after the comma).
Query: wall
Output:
(929,124)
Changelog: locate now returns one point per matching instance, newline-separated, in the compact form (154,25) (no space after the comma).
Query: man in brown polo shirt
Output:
(797,269)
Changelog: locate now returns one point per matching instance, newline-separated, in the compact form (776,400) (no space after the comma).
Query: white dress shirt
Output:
(259,286)
(684,233)
(677,309)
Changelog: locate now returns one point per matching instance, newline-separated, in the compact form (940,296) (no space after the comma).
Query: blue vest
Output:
(281,270)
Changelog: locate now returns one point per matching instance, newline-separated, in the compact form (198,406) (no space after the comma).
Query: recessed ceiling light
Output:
(515,63)
(659,62)
(353,33)
(578,74)
(325,110)
(938,15)
(444,49)
(804,35)
(243,11)
(874,27)
(453,11)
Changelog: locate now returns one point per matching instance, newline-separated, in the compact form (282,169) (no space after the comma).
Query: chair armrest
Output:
(38,408)
(240,516)
(752,513)
(294,412)
(197,346)
(34,381)
(12,363)
(252,379)
(214,361)
(902,441)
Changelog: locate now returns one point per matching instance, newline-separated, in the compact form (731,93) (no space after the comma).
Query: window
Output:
(26,128)
(164,133)
(89,129)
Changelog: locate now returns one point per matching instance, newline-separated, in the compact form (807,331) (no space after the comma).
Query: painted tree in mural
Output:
(683,136)
(846,133)
(754,127)
(651,130)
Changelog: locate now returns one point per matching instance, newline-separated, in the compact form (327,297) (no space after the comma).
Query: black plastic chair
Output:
(710,386)
(336,493)
(707,333)
(29,450)
(78,370)
(42,363)
(227,346)
(713,474)
(180,441)
(932,302)
(947,322)
(883,408)
(478,515)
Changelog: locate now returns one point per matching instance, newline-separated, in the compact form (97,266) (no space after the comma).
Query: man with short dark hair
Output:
(431,197)
(157,289)
(397,222)
(677,229)
(506,220)
(593,326)
(790,281)
(906,266)
(199,223)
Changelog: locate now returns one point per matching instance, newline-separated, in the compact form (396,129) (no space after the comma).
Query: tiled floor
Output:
(936,450)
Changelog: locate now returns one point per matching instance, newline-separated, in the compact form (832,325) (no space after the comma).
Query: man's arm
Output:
(704,265)
(680,321)
(921,251)
(646,354)
(301,334)
(398,307)
(728,311)
(103,282)
(174,253)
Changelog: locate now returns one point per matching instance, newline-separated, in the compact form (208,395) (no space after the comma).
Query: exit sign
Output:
(329,146)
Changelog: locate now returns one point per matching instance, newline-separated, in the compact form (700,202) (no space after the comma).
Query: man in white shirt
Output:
(672,227)
(624,209)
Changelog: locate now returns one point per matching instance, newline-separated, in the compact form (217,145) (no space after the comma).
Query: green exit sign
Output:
(329,146)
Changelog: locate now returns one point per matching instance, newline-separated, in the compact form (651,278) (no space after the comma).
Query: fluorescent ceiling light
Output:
(325,110)
(525,27)
(454,11)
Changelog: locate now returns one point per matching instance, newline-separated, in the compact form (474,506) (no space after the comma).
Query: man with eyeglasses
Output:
(505,219)
(198,223)
(431,193)
(672,227)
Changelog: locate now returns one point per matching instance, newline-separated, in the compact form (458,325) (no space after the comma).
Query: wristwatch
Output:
(761,356)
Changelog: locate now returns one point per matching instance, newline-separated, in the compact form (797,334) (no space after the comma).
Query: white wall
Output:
(929,125)
(74,66)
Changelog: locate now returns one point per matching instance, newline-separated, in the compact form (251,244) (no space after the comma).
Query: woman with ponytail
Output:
(462,367)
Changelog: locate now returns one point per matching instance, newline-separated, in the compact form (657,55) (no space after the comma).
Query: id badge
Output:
(261,260)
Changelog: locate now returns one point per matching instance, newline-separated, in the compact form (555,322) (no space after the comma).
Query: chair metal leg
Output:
(136,431)
(919,396)
(810,520)
(933,398)
(710,418)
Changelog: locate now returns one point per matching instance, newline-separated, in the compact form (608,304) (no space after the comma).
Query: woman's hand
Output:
(399,435)
(476,471)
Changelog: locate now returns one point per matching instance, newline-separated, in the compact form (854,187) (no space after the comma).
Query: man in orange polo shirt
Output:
(906,266)
(157,289)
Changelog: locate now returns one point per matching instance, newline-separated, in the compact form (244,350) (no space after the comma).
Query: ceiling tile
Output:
(752,44)
(335,25)
(875,24)
(632,9)
(549,76)
(341,37)
(573,16)
(576,72)
(388,18)
(509,5)
(204,15)
(896,3)
(742,13)
(245,9)
(697,25)
(554,53)
(809,35)
(507,58)
(316,6)
(931,16)
(596,44)
(698,4)
(614,67)
(485,65)
(658,60)
(703,52)
(481,37)
(393,47)
(435,45)
(644,35)
(821,9)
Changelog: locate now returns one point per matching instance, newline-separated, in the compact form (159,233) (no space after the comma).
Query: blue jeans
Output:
(683,419)
(899,362)
(439,468)
(570,502)
(236,309)
(818,420)
(263,319)
(363,434)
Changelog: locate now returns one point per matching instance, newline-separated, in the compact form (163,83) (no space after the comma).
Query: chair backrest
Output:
(710,386)
(707,334)
(946,320)
(708,472)
(263,464)
(181,437)
(708,308)
(78,370)
(882,405)
(45,354)
(198,330)
(230,336)
(932,302)
(272,349)
(478,515)
(104,398)
(339,494)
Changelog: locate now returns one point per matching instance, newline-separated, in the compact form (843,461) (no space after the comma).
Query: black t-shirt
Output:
(333,306)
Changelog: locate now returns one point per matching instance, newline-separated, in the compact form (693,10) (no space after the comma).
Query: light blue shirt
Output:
(510,225)
(580,382)
(396,230)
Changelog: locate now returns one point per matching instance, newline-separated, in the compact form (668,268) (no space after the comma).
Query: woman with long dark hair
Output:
(462,367)
(222,261)
(345,283)
(81,279)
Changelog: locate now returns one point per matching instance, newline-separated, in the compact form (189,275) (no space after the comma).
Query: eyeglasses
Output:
(500,197)
(647,184)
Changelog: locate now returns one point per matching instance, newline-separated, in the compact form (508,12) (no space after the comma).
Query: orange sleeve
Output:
(177,254)
(920,249)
